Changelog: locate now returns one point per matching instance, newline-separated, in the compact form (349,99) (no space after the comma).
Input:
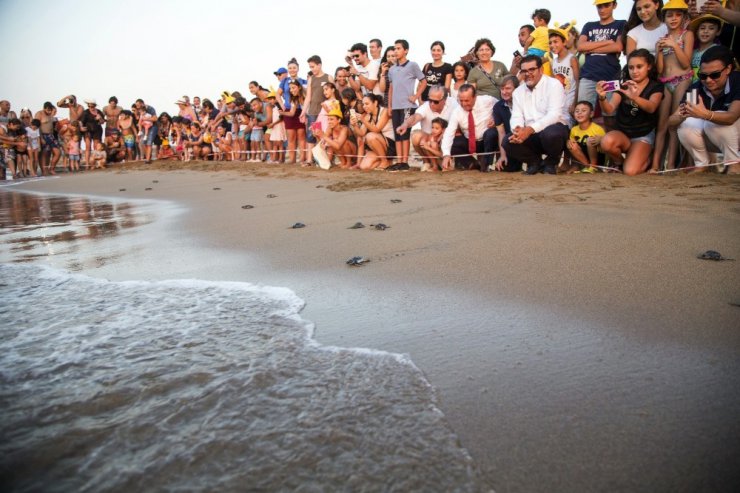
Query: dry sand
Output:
(574,339)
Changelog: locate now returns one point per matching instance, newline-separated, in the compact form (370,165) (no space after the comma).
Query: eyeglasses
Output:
(530,70)
(714,75)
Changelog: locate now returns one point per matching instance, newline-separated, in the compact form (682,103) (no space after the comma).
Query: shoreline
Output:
(538,386)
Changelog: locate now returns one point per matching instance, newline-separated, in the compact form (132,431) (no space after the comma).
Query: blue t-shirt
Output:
(403,78)
(602,66)
(285,86)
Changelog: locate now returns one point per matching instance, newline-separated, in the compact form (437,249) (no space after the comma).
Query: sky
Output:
(159,50)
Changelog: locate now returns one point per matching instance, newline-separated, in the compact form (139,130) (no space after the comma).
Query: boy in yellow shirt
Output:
(584,140)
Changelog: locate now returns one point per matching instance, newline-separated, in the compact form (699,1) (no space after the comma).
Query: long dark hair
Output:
(648,57)
(634,20)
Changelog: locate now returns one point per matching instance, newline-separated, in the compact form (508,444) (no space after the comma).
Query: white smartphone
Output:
(611,85)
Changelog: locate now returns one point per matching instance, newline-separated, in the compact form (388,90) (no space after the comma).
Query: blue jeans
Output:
(310,120)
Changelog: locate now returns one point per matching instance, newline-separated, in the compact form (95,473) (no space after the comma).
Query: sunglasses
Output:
(435,101)
(714,75)
(355,56)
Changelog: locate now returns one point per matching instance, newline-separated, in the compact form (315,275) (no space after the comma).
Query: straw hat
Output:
(91,101)
(695,23)
(563,30)
(181,101)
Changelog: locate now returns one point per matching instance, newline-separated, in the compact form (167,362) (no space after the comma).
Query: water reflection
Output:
(36,226)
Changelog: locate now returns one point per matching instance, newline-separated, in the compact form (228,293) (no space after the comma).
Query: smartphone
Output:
(611,86)
(700,4)
(352,113)
(691,97)
(516,54)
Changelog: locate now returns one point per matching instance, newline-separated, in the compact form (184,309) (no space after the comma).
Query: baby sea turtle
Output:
(121,189)
(298,226)
(247,206)
(216,188)
(712,255)
(271,196)
(380,226)
(396,201)
(148,188)
(357,226)
(357,261)
(155,181)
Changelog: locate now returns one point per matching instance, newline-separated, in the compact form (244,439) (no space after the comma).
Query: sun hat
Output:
(563,30)
(599,2)
(695,23)
(336,111)
(91,101)
(181,101)
(675,5)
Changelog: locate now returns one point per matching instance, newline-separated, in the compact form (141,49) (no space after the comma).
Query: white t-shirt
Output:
(33,137)
(427,114)
(647,39)
(370,72)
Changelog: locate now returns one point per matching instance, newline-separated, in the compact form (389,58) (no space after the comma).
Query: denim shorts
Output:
(310,137)
(149,137)
(649,139)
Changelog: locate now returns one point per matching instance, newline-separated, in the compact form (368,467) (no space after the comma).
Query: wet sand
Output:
(575,341)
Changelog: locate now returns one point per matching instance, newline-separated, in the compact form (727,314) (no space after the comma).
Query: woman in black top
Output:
(437,73)
(636,104)
(92,127)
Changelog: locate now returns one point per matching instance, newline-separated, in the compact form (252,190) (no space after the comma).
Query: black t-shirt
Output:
(435,76)
(633,121)
(91,123)
(502,115)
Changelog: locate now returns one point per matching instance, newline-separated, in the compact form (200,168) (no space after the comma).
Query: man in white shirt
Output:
(476,109)
(437,106)
(364,71)
(538,120)
(376,47)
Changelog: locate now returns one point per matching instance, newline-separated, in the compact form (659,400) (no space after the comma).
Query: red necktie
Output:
(471,133)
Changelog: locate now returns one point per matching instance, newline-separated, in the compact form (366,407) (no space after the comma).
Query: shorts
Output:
(256,135)
(109,130)
(129,141)
(34,144)
(49,142)
(310,137)
(148,139)
(390,147)
(649,139)
(74,157)
(96,134)
(398,117)
(536,51)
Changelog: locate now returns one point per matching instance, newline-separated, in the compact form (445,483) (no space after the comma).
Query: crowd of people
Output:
(564,104)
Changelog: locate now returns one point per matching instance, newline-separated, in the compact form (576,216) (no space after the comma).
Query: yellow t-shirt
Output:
(541,39)
(580,136)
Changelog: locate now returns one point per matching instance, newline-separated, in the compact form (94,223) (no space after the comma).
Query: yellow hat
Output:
(675,5)
(272,93)
(336,110)
(229,99)
(695,23)
(563,30)
(599,2)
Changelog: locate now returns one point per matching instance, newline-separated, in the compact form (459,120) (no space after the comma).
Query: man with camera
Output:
(711,123)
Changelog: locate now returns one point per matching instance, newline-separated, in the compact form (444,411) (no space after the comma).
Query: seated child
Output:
(98,157)
(431,143)
(584,140)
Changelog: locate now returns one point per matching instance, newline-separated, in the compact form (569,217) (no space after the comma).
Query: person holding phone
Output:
(636,105)
(712,123)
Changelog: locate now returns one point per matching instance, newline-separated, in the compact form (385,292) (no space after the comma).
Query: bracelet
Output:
(711,115)
(602,98)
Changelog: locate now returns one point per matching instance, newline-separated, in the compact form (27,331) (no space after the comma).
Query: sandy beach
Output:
(574,340)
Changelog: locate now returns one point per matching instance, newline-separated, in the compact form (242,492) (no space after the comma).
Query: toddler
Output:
(537,42)
(431,143)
